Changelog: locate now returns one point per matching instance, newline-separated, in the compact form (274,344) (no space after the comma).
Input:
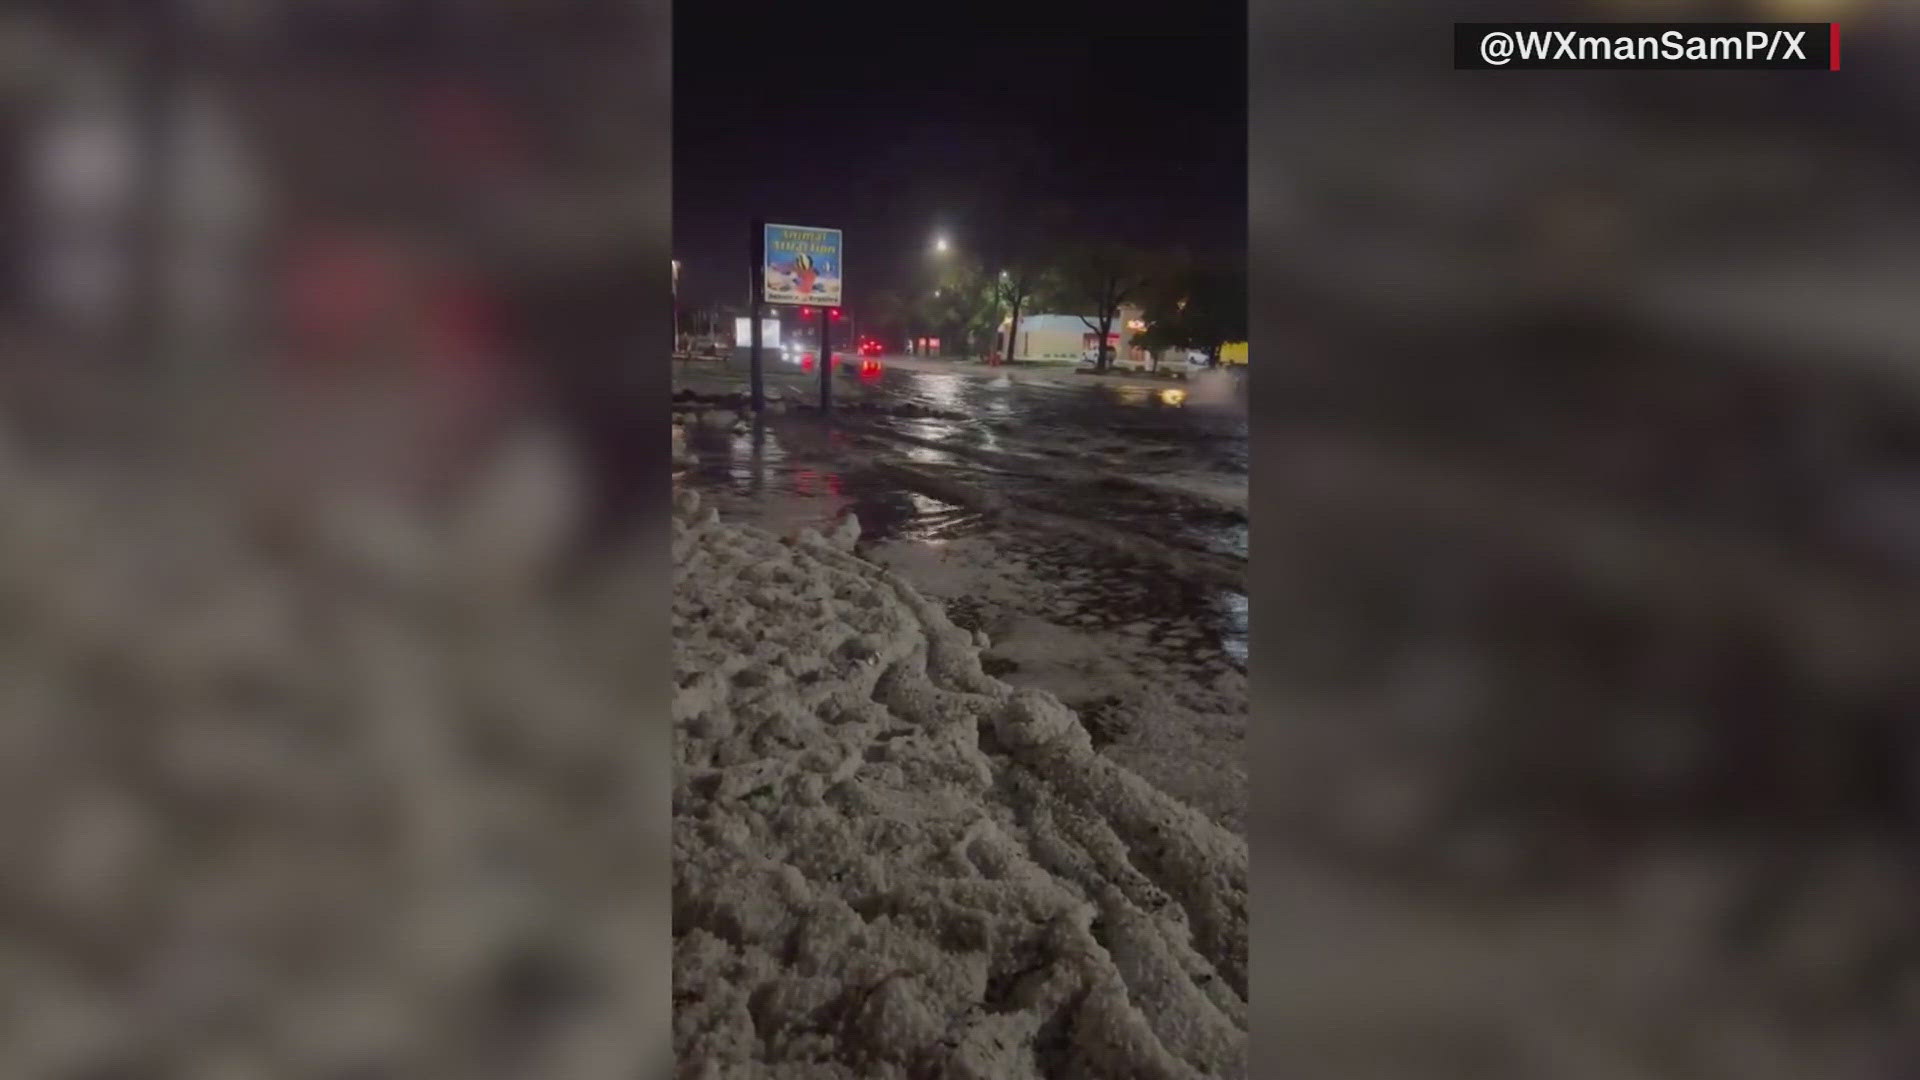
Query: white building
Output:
(1063,339)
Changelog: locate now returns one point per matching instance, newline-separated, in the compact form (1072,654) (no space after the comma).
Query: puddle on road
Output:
(796,478)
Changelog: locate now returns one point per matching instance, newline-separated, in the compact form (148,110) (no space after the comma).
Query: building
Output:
(1064,339)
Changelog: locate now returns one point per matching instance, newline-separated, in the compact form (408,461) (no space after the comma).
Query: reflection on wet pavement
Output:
(789,475)
(1050,409)
(789,478)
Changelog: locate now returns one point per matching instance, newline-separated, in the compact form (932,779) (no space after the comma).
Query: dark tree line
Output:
(977,303)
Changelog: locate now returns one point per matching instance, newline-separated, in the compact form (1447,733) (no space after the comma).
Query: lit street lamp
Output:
(939,248)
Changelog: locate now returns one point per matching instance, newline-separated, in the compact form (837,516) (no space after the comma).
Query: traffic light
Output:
(834,312)
(806,313)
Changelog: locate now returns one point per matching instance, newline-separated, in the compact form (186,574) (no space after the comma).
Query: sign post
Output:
(826,362)
(799,264)
(756,252)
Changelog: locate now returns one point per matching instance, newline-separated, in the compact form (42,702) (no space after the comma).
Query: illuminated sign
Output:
(803,265)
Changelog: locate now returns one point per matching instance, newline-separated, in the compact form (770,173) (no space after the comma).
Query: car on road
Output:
(869,347)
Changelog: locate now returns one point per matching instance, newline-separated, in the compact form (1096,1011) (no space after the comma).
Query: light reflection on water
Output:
(928,455)
(944,391)
(773,483)
(760,480)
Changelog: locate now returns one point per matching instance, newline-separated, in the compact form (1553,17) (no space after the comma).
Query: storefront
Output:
(1065,339)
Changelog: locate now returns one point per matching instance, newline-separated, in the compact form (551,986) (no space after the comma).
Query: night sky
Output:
(1130,123)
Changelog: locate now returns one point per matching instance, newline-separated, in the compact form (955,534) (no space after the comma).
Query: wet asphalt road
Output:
(791,474)
(1019,433)
(1159,426)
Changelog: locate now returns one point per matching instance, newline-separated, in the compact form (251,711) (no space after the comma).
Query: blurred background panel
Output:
(1589,555)
(332,554)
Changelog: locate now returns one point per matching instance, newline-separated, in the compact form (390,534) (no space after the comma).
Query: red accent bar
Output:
(1833,46)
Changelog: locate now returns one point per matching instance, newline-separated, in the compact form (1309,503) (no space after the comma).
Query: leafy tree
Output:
(891,314)
(1202,305)
(1100,277)
(1024,249)
(1018,287)
(967,306)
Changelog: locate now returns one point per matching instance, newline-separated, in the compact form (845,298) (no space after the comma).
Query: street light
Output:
(940,244)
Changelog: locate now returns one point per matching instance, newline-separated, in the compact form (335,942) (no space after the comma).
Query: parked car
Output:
(1090,359)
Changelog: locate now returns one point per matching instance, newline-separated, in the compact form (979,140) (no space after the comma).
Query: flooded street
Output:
(1146,425)
(1167,462)
(1093,531)
(1166,458)
(792,475)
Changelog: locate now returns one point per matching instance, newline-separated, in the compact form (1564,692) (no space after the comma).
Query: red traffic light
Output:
(835,312)
(806,313)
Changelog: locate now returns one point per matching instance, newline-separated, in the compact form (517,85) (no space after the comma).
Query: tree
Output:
(891,315)
(1216,309)
(1100,277)
(1202,305)
(1026,247)
(967,305)
(1016,287)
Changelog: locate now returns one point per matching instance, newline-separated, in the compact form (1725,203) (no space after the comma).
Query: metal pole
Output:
(757,249)
(826,361)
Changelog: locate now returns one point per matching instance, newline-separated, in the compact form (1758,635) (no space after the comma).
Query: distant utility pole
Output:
(757,251)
